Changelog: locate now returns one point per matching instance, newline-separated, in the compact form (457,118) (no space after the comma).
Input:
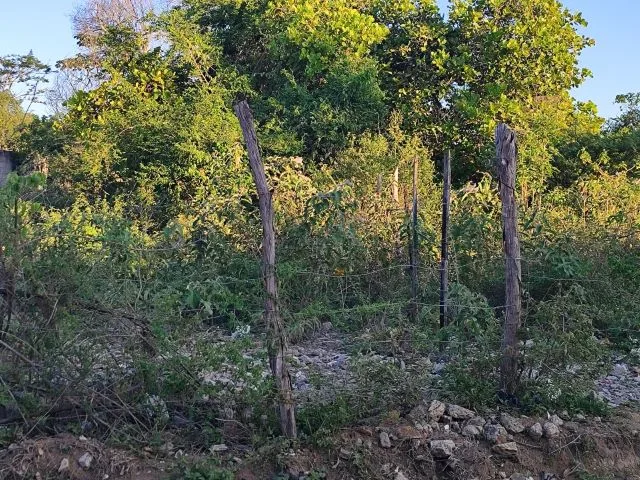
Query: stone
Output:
(64,465)
(597,419)
(425,428)
(477,422)
(494,433)
(455,427)
(556,420)
(400,476)
(459,413)
(564,415)
(85,460)
(511,424)
(385,441)
(551,430)
(520,476)
(509,449)
(407,432)
(535,431)
(471,431)
(345,454)
(219,448)
(441,449)
(580,418)
(436,410)
(620,370)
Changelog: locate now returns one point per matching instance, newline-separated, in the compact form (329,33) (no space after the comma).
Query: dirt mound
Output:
(433,442)
(75,458)
(400,451)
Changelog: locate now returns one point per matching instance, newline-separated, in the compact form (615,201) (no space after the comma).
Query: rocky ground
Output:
(326,357)
(621,386)
(432,440)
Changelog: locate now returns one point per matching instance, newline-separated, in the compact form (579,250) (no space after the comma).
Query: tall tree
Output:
(11,117)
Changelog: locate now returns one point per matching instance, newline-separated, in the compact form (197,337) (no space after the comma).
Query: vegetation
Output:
(130,272)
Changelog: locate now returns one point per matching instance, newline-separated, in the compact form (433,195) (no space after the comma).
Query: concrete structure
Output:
(6,165)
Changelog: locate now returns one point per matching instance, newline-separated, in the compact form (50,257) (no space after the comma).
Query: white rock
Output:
(441,449)
(436,410)
(620,370)
(471,431)
(512,424)
(218,448)
(494,433)
(556,420)
(85,460)
(64,465)
(551,430)
(459,413)
(535,431)
(385,441)
(477,422)
(509,449)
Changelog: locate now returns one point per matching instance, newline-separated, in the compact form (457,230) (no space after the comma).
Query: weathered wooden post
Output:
(444,247)
(276,337)
(413,247)
(394,186)
(506,160)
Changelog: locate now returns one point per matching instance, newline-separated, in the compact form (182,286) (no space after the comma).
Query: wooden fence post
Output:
(276,337)
(506,160)
(444,248)
(394,186)
(413,247)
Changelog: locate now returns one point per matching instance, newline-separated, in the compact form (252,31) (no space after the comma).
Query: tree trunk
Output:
(276,337)
(394,186)
(413,309)
(506,159)
(444,248)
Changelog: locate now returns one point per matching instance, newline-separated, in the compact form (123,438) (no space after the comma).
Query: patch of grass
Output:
(203,470)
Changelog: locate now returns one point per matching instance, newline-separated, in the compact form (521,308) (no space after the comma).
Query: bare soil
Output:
(602,450)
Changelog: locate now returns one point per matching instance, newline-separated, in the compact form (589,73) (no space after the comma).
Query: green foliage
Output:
(24,73)
(136,270)
(204,470)
(11,118)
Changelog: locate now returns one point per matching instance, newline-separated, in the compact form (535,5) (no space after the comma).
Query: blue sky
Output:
(44,27)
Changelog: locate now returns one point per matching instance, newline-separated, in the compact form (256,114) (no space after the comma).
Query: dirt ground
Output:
(589,449)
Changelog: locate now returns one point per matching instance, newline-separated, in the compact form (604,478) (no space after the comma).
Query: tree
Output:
(24,75)
(629,119)
(94,18)
(309,64)
(11,117)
